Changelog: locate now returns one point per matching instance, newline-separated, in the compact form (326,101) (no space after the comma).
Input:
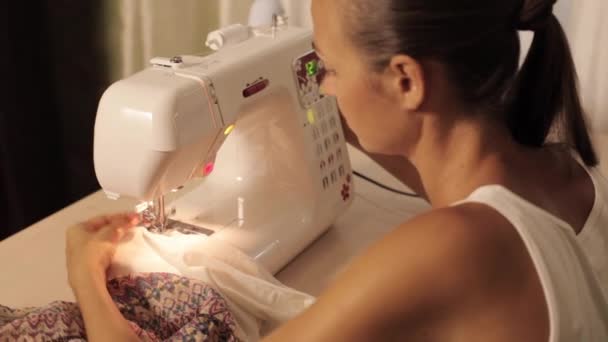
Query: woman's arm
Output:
(90,247)
(103,321)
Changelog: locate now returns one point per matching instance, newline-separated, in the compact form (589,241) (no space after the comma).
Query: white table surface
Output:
(32,262)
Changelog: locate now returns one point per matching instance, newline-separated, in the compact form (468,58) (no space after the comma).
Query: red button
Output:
(255,88)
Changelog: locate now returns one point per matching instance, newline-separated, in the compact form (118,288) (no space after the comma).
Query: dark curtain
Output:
(53,74)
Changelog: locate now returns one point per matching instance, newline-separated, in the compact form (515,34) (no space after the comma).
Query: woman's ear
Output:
(406,80)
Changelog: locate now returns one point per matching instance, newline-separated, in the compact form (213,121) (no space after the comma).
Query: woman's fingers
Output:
(108,223)
(125,220)
(118,225)
(96,223)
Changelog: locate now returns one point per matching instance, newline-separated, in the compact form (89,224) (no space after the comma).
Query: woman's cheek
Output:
(328,86)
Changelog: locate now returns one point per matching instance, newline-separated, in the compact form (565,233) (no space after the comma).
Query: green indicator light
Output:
(312,68)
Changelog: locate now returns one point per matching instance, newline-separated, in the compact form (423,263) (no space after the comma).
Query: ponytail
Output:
(544,98)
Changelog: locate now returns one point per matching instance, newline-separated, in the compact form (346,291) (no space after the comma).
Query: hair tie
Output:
(535,14)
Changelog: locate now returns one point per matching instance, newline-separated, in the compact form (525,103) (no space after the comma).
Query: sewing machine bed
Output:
(33,262)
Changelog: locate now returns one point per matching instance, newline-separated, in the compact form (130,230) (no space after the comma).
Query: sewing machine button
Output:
(324,127)
(315,133)
(332,122)
(334,177)
(320,110)
(255,88)
(345,192)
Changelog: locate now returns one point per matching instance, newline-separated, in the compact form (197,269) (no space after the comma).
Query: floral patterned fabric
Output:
(158,306)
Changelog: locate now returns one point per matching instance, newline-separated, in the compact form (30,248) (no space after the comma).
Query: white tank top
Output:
(573,269)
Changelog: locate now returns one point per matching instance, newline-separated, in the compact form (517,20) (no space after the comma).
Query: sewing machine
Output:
(254,151)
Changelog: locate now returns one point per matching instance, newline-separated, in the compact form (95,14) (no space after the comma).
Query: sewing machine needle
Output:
(161,218)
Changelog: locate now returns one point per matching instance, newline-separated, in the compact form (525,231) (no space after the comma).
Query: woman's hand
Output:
(91,245)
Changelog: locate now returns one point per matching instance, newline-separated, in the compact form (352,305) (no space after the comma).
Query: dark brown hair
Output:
(478,42)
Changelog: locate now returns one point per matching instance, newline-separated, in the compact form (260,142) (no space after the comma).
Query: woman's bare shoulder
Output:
(469,240)
(458,263)
(463,260)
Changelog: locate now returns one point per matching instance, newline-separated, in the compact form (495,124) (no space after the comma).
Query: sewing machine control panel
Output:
(323,119)
(309,72)
(329,145)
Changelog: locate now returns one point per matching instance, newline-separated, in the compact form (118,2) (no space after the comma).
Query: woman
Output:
(514,248)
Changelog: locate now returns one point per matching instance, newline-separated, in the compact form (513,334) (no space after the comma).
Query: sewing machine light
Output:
(312,68)
(229,130)
(208,168)
(311,116)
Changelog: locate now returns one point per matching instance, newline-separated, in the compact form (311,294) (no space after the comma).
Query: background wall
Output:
(587,31)
(576,23)
(53,73)
(138,30)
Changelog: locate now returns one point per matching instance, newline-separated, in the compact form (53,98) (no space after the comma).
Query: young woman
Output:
(515,246)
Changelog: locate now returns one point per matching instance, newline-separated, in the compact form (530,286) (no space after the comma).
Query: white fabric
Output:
(258,301)
(588,33)
(573,269)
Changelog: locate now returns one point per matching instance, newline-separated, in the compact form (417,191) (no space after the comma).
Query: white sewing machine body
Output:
(260,151)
